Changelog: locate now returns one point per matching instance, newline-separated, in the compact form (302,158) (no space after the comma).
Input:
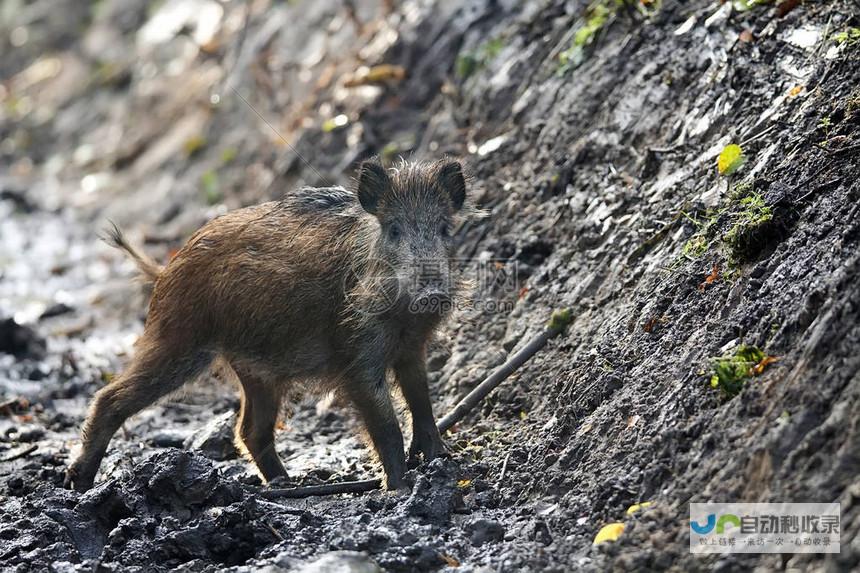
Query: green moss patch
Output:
(849,37)
(730,373)
(695,247)
(468,63)
(751,227)
(597,16)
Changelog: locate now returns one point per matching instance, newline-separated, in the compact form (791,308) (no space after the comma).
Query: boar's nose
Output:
(432,278)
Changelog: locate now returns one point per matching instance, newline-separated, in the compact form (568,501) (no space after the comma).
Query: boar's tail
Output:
(147,266)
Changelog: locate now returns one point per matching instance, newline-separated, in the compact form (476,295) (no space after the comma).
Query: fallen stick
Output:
(359,486)
(559,321)
(20,453)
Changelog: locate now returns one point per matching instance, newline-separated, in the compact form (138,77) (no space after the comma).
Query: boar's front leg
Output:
(411,375)
(369,393)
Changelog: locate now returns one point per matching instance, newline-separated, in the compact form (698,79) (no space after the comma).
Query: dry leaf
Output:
(449,561)
(785,7)
(763,363)
(711,278)
(795,91)
(746,36)
(649,324)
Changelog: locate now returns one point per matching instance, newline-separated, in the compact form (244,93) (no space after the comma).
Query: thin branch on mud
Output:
(274,531)
(360,486)
(559,321)
(21,454)
(843,150)
(819,188)
(504,467)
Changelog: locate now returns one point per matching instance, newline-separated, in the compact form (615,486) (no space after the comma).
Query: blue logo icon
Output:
(725,520)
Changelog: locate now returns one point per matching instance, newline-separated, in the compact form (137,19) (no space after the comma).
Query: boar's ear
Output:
(450,178)
(373,182)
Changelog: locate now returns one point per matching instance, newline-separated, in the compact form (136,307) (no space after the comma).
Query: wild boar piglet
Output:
(328,288)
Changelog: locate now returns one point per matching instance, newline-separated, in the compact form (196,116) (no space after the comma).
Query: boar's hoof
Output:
(77,480)
(396,484)
(428,446)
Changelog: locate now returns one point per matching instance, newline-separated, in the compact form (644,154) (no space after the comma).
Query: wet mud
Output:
(595,158)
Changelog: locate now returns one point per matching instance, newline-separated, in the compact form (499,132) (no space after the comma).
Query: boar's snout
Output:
(431,290)
(432,278)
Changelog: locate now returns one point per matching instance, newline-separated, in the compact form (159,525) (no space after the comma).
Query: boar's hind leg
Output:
(371,398)
(255,428)
(151,375)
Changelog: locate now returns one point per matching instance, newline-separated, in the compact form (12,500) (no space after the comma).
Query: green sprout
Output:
(695,247)
(560,319)
(825,123)
(211,187)
(228,154)
(848,37)
(468,63)
(744,5)
(574,56)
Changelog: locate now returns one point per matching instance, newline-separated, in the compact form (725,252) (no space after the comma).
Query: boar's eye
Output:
(394,232)
(444,229)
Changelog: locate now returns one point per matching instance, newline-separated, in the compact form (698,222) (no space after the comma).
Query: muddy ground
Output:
(594,154)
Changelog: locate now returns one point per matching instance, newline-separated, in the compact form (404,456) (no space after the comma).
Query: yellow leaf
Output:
(464,483)
(382,73)
(609,532)
(334,122)
(638,506)
(193,144)
(730,159)
(795,91)
(523,415)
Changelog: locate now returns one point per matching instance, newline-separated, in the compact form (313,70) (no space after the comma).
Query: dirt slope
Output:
(592,134)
